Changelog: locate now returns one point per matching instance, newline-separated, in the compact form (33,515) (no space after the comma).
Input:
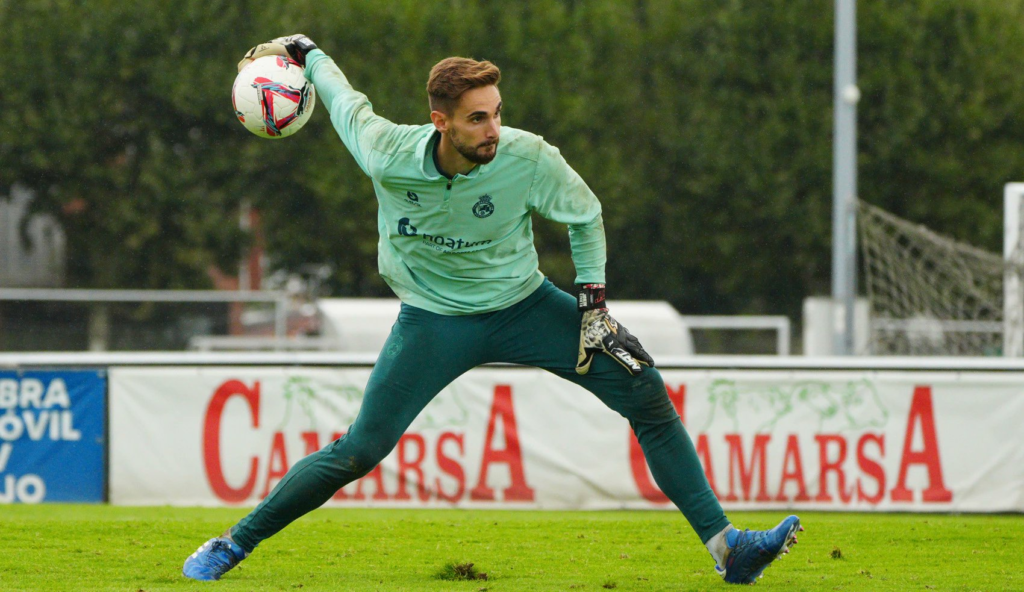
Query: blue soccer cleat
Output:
(750,552)
(213,559)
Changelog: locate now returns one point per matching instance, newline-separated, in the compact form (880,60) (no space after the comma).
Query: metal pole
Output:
(280,319)
(1013,300)
(844,175)
(782,340)
(74,295)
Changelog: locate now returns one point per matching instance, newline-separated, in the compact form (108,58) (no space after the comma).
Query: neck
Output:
(451,161)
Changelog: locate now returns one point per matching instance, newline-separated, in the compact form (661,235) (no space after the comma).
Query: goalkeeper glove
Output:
(294,46)
(599,332)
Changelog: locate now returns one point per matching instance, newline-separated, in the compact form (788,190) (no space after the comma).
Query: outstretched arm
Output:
(351,112)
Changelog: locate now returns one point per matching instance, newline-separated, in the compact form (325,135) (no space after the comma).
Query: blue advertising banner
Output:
(52,436)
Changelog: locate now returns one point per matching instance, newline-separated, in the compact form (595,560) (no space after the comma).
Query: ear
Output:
(440,121)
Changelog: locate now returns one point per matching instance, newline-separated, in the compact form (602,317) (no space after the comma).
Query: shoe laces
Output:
(748,537)
(221,561)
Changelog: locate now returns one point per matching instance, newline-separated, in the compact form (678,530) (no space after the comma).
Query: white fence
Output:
(892,434)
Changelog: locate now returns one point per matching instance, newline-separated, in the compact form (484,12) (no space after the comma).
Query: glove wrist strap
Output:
(591,297)
(298,49)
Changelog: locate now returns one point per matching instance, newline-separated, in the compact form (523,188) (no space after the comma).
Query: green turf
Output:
(67,547)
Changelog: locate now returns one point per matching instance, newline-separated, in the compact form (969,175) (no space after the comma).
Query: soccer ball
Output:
(272,97)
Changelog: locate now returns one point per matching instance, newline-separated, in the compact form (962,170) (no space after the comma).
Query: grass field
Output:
(71,547)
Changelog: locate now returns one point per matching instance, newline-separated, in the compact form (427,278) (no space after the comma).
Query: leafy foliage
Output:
(704,127)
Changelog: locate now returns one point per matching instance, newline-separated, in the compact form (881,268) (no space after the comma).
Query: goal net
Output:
(933,295)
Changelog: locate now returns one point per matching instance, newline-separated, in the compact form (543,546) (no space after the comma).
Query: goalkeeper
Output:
(456,245)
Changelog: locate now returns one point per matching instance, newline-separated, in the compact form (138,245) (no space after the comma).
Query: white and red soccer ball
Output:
(272,97)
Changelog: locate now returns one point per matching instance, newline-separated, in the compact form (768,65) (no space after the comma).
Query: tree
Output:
(704,127)
(118,134)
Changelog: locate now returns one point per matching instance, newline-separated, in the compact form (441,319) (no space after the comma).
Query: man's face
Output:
(475,125)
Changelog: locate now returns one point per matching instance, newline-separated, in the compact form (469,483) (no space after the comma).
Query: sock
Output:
(718,546)
(227,535)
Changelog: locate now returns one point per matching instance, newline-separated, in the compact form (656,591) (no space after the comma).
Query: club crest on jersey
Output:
(484,207)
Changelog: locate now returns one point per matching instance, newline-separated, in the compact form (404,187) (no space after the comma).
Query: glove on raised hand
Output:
(294,46)
(599,332)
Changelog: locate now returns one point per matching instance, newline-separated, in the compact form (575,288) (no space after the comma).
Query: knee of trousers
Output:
(354,457)
(647,401)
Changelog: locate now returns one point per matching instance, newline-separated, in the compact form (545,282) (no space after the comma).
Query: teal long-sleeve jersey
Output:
(462,245)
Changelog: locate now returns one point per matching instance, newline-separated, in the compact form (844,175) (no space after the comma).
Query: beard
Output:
(479,154)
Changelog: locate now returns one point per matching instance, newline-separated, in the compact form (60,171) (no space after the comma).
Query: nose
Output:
(492,130)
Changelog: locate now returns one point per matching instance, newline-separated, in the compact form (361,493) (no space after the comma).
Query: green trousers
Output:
(426,351)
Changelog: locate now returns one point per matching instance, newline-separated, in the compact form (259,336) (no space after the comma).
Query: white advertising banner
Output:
(523,438)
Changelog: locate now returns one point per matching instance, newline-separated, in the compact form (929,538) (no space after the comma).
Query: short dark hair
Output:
(453,76)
